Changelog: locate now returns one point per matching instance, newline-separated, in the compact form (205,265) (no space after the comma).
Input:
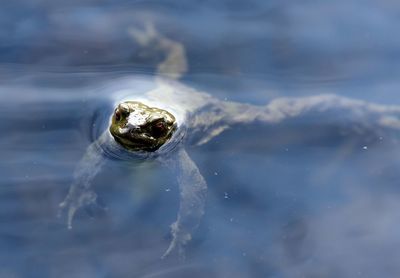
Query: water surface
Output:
(291,200)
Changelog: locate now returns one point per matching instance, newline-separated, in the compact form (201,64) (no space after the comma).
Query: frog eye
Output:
(117,115)
(158,129)
(124,108)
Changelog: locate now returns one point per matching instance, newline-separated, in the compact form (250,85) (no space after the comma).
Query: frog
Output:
(143,132)
(160,123)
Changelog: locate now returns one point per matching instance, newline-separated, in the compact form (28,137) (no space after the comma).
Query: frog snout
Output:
(129,129)
(134,130)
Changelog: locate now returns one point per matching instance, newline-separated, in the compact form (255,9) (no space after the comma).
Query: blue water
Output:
(292,200)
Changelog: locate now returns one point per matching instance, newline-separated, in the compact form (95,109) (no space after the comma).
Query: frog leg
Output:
(192,192)
(80,193)
(222,115)
(174,64)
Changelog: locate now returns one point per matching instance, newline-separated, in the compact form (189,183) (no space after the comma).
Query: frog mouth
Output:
(135,140)
(137,145)
(141,138)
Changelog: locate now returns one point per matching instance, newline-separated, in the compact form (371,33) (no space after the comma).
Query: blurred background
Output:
(297,201)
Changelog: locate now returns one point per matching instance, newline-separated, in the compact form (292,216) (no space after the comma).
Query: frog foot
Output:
(179,240)
(72,203)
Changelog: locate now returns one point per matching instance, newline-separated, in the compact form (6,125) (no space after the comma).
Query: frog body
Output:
(158,123)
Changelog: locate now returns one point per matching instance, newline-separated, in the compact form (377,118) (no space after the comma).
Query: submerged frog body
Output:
(140,131)
(154,123)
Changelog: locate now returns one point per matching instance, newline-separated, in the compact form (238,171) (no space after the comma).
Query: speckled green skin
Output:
(139,127)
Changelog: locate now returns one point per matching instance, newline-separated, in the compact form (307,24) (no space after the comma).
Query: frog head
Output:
(138,127)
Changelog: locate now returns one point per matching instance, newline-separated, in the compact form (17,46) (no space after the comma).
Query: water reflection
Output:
(306,198)
(309,197)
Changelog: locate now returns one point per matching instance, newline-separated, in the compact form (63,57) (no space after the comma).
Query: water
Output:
(309,197)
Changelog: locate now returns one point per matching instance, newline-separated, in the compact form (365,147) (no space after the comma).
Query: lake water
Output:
(309,197)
